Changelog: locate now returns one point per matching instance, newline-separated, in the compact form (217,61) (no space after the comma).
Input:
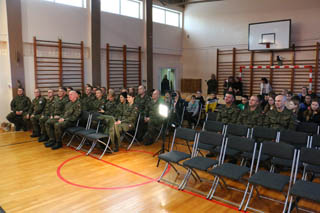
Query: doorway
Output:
(171,83)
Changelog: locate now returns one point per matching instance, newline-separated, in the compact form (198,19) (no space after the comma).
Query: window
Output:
(75,3)
(131,8)
(166,16)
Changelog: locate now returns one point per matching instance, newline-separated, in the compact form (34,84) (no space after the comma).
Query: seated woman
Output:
(270,105)
(312,114)
(192,111)
(125,119)
(293,105)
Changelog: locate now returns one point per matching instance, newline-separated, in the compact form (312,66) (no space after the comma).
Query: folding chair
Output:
(269,180)
(98,138)
(211,116)
(199,116)
(206,141)
(234,171)
(214,126)
(132,134)
(303,188)
(308,127)
(296,139)
(260,134)
(312,169)
(175,156)
(82,124)
(94,128)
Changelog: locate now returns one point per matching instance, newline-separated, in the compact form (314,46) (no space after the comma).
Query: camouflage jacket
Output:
(72,111)
(59,106)
(142,103)
(37,106)
(48,109)
(110,108)
(152,111)
(280,120)
(228,114)
(86,102)
(251,118)
(97,104)
(20,103)
(127,114)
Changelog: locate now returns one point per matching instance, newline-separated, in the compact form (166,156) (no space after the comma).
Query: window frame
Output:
(171,11)
(83,3)
(120,11)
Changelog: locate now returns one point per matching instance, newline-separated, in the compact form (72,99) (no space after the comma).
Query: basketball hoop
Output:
(266,43)
(267,39)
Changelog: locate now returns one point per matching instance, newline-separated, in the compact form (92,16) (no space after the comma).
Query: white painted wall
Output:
(224,24)
(5,80)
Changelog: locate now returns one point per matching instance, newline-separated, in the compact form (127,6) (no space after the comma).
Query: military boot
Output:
(50,143)
(43,138)
(57,145)
(34,134)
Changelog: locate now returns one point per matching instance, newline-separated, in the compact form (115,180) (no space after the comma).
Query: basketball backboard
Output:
(273,35)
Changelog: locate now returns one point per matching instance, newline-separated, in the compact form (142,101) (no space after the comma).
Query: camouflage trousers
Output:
(35,123)
(116,130)
(55,128)
(18,120)
(42,123)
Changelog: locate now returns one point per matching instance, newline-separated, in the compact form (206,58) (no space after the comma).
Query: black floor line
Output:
(17,144)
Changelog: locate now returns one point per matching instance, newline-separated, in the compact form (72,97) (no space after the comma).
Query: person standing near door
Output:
(212,84)
(165,85)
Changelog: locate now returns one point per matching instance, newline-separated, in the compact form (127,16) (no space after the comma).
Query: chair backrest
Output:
(310,156)
(212,116)
(240,143)
(209,140)
(214,126)
(315,141)
(279,150)
(264,133)
(95,122)
(184,134)
(85,119)
(308,127)
(237,130)
(297,139)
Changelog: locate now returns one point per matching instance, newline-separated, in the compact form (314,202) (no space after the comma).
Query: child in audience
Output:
(192,111)
(293,105)
(212,102)
(307,102)
(244,102)
(312,114)
(271,104)
(200,98)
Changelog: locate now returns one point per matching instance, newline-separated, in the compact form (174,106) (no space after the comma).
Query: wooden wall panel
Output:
(190,85)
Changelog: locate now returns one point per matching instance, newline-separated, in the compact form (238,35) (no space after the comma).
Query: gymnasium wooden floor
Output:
(36,179)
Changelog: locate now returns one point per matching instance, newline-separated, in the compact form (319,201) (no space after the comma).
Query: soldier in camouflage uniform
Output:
(108,113)
(229,112)
(87,100)
(35,111)
(58,110)
(68,119)
(153,119)
(280,117)
(47,112)
(141,101)
(251,116)
(98,104)
(125,119)
(20,106)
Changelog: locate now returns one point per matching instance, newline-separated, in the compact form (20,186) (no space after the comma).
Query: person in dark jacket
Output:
(212,84)
(165,85)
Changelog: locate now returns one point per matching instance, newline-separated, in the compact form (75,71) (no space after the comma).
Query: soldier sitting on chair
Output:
(280,117)
(252,115)
(152,119)
(68,119)
(20,107)
(48,110)
(35,111)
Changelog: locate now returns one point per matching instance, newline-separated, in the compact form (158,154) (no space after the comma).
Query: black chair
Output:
(303,188)
(211,116)
(199,116)
(260,134)
(214,126)
(175,156)
(312,169)
(98,138)
(308,127)
(206,141)
(237,130)
(131,135)
(82,124)
(94,128)
(233,171)
(270,180)
(296,139)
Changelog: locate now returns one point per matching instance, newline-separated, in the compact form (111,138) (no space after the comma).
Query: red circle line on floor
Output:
(150,180)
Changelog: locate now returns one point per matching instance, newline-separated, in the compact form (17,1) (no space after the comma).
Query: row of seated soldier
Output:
(118,113)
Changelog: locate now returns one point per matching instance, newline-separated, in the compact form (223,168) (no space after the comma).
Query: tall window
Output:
(76,3)
(131,8)
(166,16)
